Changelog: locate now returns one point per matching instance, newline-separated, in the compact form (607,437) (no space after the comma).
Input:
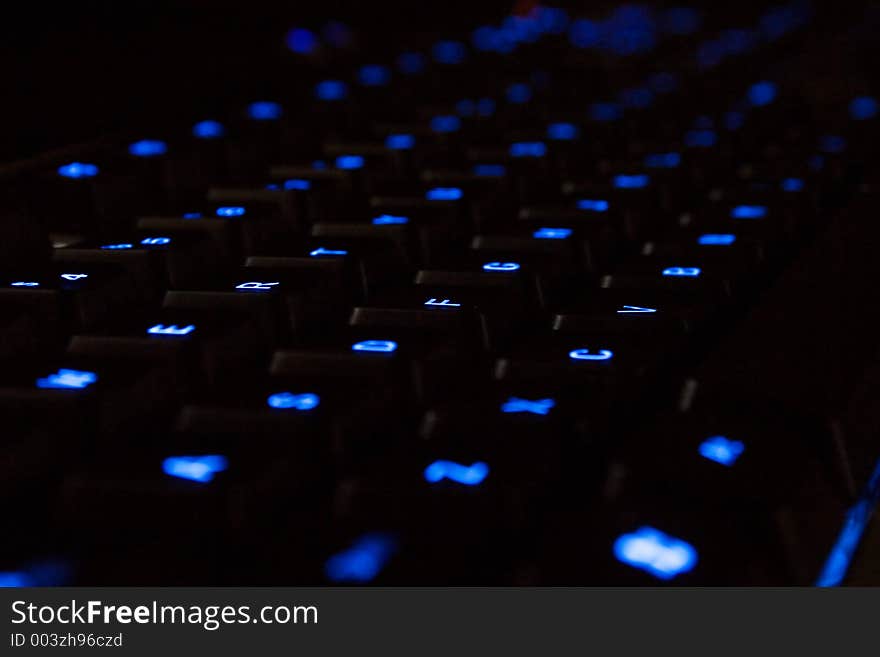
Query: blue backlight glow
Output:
(156,241)
(377,346)
(552,233)
(445,123)
(535,407)
(444,194)
(321,251)
(449,52)
(297,184)
(304,401)
(67,379)
(586,354)
(301,41)
(593,205)
(400,142)
(363,561)
(25,284)
(468,475)
(231,211)
(118,247)
(722,450)
(161,329)
(700,138)
(501,266)
(762,93)
(691,272)
(331,90)
(208,130)
(716,239)
(662,160)
(562,131)
(78,170)
(863,108)
(639,181)
(350,162)
(373,75)
(655,552)
(832,144)
(749,212)
(390,220)
(200,469)
(264,110)
(792,185)
(411,63)
(148,148)
(528,149)
(519,93)
(490,170)
(605,112)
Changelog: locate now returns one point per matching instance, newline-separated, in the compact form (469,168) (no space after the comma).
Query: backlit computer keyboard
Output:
(561,300)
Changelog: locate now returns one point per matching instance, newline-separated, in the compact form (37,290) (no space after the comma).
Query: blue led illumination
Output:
(373,75)
(74,277)
(586,354)
(200,469)
(257,285)
(501,266)
(639,181)
(304,401)
(25,284)
(363,561)
(635,310)
(562,131)
(337,34)
(857,519)
(444,194)
(637,98)
(321,251)
(593,205)
(390,220)
(192,215)
(156,241)
(377,346)
(231,211)
(734,120)
(445,124)
(722,450)
(762,93)
(350,162)
(716,239)
(655,552)
(449,52)
(301,41)
(605,112)
(400,142)
(66,379)
(433,301)
(518,93)
(528,149)
(331,90)
(749,212)
(208,130)
(664,82)
(465,107)
(78,170)
(490,170)
(297,184)
(411,63)
(264,110)
(662,160)
(148,148)
(681,21)
(161,329)
(14,580)
(552,233)
(832,144)
(793,185)
(118,247)
(468,475)
(700,138)
(535,407)
(691,272)
(485,107)
(863,108)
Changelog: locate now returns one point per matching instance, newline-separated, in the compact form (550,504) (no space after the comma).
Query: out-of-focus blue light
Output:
(231,211)
(156,241)
(721,450)
(562,131)
(662,160)
(863,108)
(411,63)
(390,220)
(363,561)
(331,90)
(749,212)
(663,82)
(604,112)
(321,251)
(78,170)
(444,194)
(832,144)
(638,98)
(710,54)
(264,110)
(468,475)
(629,30)
(639,181)
(584,33)
(118,247)
(528,149)
(161,329)
(716,239)
(446,123)
(700,138)
(449,52)
(737,42)
(792,185)
(762,93)
(680,21)
(192,215)
(489,170)
(301,41)
(400,142)
(349,162)
(297,184)
(465,107)
(501,266)
(691,272)
(734,120)
(552,233)
(586,354)
(67,379)
(816,163)
(200,469)
(519,93)
(485,38)
(552,20)
(15,579)
(593,205)
(535,407)
(485,107)
(373,75)
(304,401)
(377,346)
(655,552)
(208,130)
(148,148)
(337,34)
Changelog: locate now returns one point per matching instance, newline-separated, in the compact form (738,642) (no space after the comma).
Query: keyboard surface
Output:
(571,298)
